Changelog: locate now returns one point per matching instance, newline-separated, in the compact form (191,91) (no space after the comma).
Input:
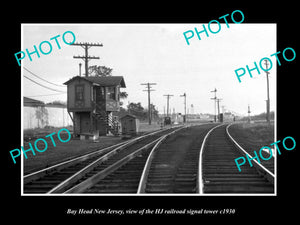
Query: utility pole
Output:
(184,95)
(268,96)
(218,102)
(215,98)
(86,58)
(168,97)
(149,104)
(249,118)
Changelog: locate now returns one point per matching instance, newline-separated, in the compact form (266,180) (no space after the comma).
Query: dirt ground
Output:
(63,151)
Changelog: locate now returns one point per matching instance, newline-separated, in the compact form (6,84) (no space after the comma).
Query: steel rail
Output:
(143,180)
(261,169)
(79,174)
(199,187)
(110,169)
(144,177)
(59,166)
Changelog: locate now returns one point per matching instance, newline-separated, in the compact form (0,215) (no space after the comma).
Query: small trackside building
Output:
(130,125)
(92,100)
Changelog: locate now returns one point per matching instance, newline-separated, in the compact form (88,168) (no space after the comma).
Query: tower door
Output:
(99,98)
(99,93)
(85,122)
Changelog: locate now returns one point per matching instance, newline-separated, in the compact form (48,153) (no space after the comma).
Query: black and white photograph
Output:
(177,120)
(138,117)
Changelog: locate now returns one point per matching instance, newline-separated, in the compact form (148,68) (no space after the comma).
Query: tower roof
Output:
(102,81)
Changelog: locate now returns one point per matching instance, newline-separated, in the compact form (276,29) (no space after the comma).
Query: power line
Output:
(42,78)
(47,95)
(43,85)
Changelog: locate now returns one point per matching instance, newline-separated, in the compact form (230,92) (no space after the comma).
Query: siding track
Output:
(126,178)
(60,177)
(219,173)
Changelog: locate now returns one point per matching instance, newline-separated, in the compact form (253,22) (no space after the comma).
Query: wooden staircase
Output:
(106,119)
(112,124)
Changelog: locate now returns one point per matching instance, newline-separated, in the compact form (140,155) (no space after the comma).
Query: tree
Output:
(57,102)
(123,94)
(101,71)
(154,112)
(41,113)
(137,110)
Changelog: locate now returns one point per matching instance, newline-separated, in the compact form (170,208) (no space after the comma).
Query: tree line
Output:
(137,110)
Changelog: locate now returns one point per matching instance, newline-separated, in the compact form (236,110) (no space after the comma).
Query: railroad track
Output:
(218,172)
(63,176)
(124,174)
(123,180)
(44,180)
(198,159)
(173,167)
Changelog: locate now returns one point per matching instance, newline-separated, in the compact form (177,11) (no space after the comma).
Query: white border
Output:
(22,111)
(144,24)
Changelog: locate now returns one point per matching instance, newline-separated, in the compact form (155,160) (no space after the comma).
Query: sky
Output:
(158,53)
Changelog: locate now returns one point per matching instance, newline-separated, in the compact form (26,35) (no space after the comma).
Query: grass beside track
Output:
(253,136)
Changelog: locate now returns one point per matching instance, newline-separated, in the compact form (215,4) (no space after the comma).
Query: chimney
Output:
(80,69)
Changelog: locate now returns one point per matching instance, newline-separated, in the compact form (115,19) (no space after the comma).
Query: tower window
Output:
(111,93)
(79,92)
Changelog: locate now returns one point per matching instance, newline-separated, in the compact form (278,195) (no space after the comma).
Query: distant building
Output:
(37,114)
(228,116)
(32,102)
(205,116)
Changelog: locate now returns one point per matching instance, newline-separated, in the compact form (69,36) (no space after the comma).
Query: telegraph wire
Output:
(47,95)
(42,78)
(43,85)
